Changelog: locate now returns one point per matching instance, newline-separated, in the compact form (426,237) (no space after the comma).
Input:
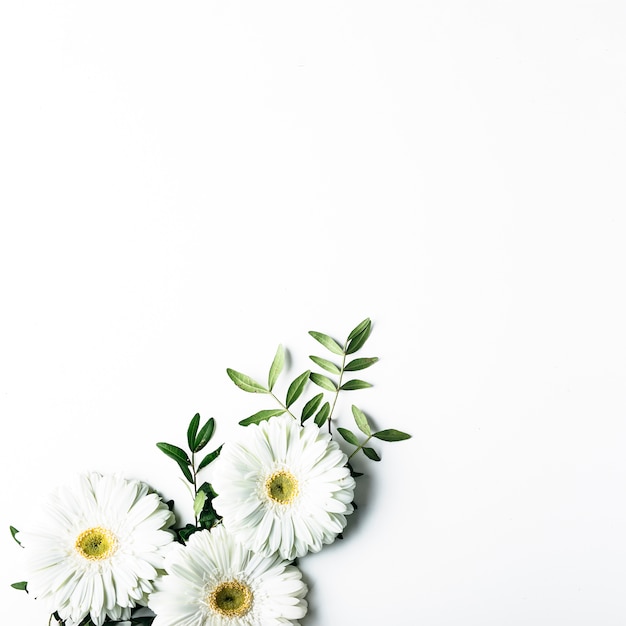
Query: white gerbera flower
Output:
(283,487)
(215,581)
(98,548)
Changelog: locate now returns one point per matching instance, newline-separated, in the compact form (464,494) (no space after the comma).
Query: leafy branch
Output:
(334,381)
(197,439)
(390,434)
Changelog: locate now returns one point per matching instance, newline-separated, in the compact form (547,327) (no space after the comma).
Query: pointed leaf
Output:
(349,436)
(245,382)
(391,434)
(322,414)
(174,452)
(360,364)
(358,339)
(261,416)
(329,366)
(370,453)
(328,342)
(14,532)
(311,406)
(204,436)
(192,430)
(198,503)
(277,367)
(209,458)
(180,456)
(296,388)
(361,421)
(359,328)
(21,585)
(355,384)
(323,381)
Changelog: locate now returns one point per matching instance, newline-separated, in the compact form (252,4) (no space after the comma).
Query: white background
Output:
(187,184)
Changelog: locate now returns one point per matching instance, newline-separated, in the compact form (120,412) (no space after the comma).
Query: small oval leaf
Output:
(311,406)
(322,414)
(277,367)
(296,388)
(370,453)
(209,458)
(328,342)
(198,503)
(391,434)
(323,381)
(359,328)
(245,382)
(261,416)
(204,436)
(351,385)
(180,456)
(360,364)
(329,366)
(174,452)
(361,421)
(192,431)
(349,436)
(359,338)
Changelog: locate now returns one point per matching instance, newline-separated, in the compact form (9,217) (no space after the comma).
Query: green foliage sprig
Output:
(319,407)
(197,439)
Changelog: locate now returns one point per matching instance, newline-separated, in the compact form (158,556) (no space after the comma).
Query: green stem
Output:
(332,408)
(195,482)
(360,447)
(282,406)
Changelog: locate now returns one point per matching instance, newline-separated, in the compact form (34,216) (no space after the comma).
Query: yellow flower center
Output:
(282,487)
(231,599)
(96,544)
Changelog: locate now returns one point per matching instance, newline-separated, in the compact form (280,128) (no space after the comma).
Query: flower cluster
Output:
(108,550)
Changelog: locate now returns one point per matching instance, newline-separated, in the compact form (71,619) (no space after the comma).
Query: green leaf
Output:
(261,416)
(322,414)
(209,458)
(355,384)
(360,364)
(359,328)
(297,387)
(174,452)
(180,456)
(329,366)
(328,342)
(361,421)
(323,381)
(391,434)
(357,339)
(204,436)
(208,517)
(311,406)
(277,367)
(245,382)
(198,502)
(349,436)
(21,585)
(192,431)
(14,532)
(370,453)
(187,531)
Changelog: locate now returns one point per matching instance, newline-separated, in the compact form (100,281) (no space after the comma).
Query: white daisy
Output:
(215,581)
(98,549)
(283,487)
